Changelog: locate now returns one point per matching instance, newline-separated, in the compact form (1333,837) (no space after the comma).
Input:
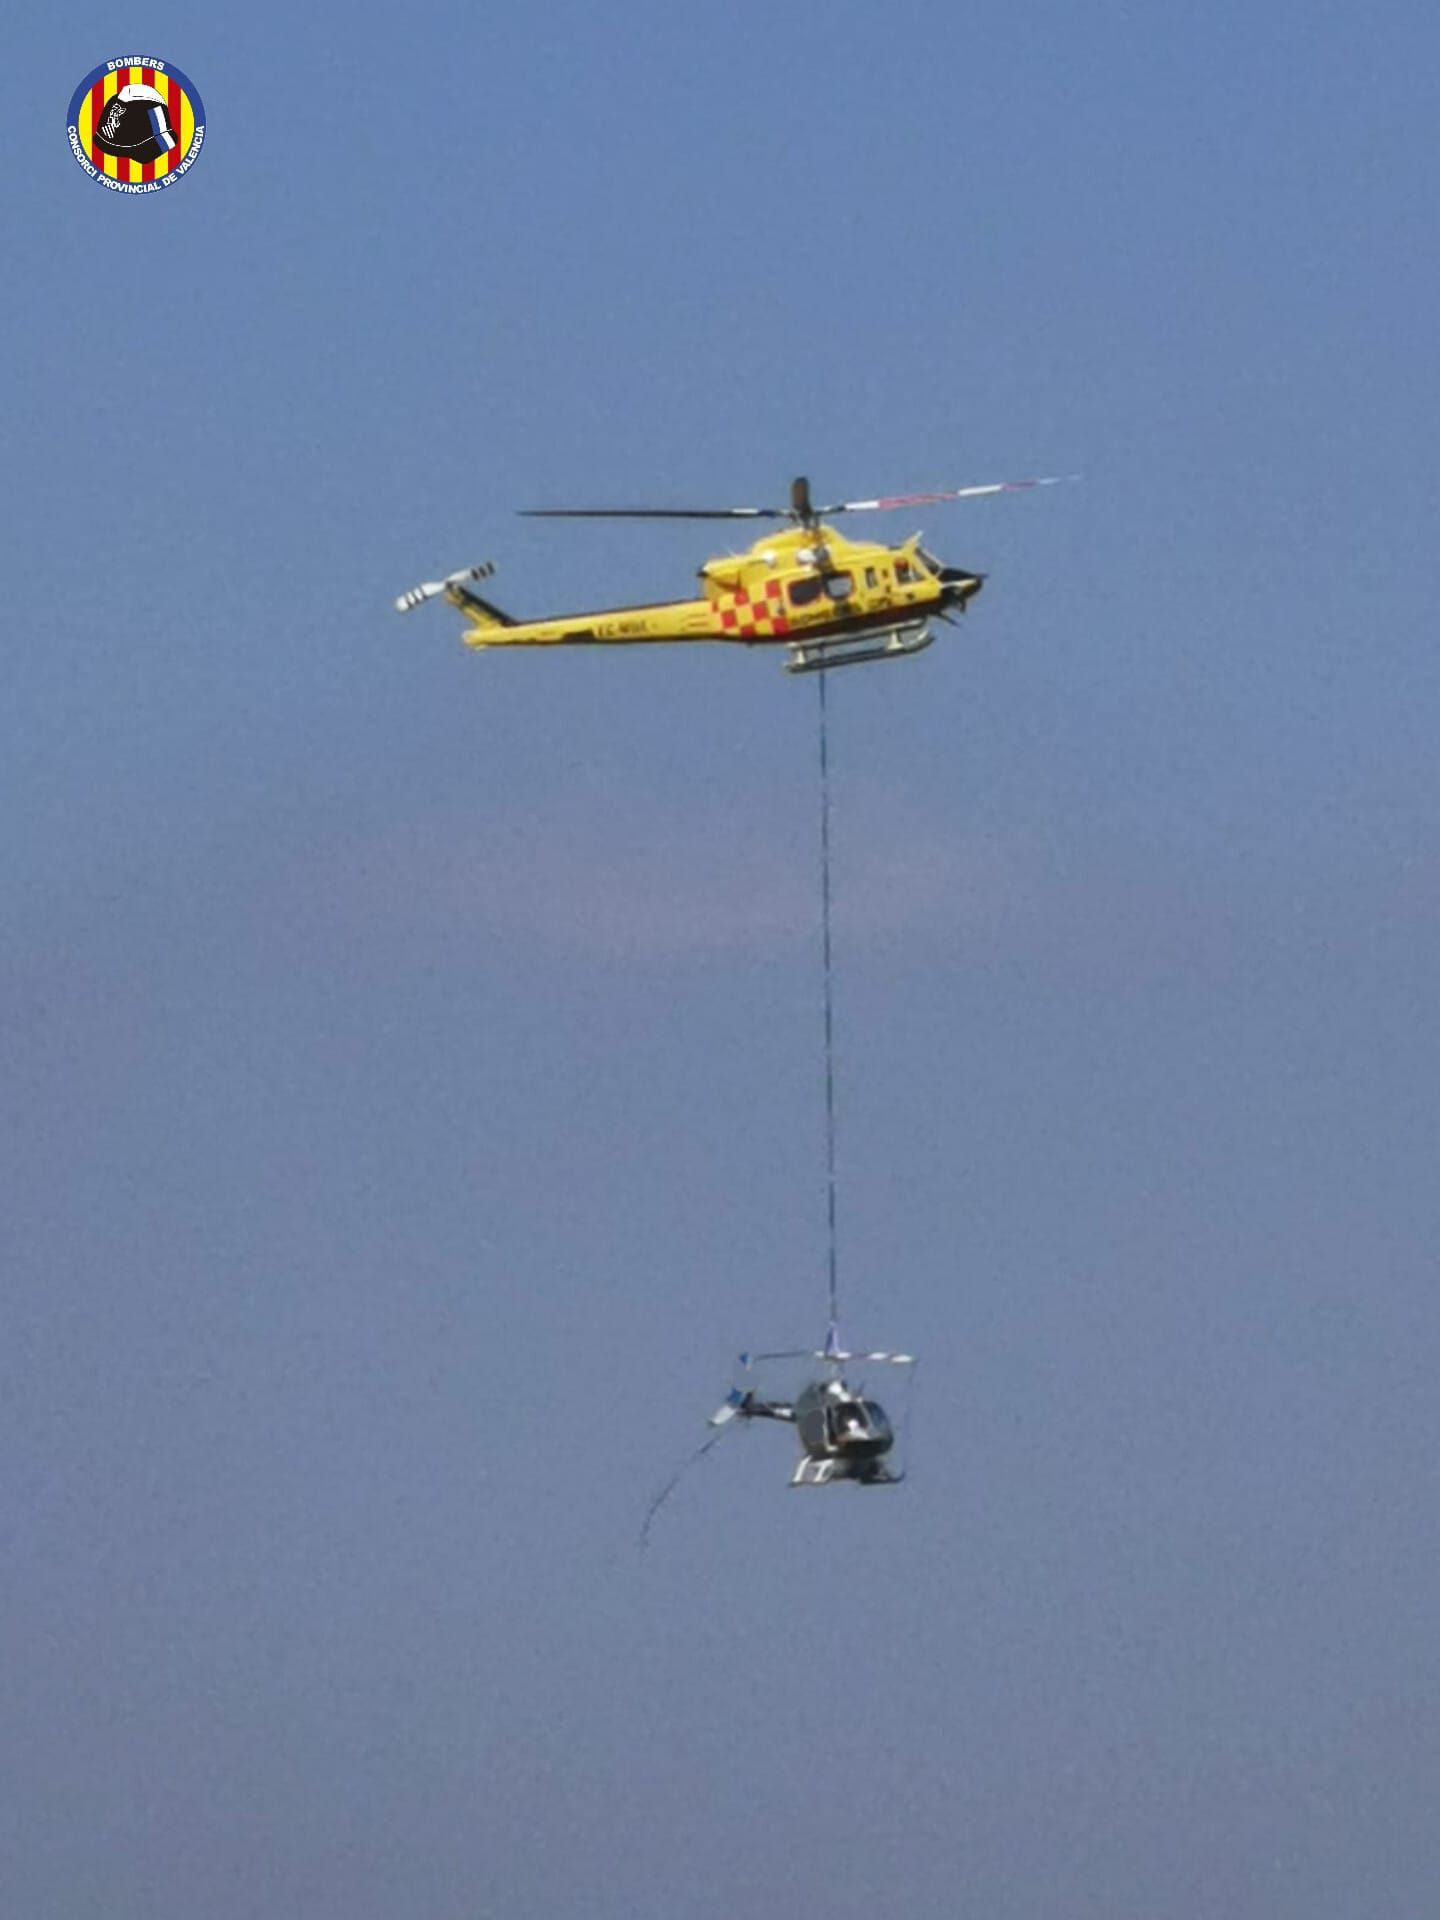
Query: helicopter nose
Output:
(962,586)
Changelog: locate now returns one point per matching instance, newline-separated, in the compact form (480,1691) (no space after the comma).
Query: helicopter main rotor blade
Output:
(654,513)
(894,1359)
(801,509)
(820,1353)
(892,500)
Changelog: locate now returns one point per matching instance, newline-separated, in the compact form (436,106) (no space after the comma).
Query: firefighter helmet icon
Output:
(136,125)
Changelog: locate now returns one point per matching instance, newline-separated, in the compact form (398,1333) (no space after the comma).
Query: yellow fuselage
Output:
(792,586)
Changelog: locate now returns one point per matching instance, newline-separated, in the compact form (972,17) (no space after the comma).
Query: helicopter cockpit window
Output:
(847,1421)
(839,586)
(902,572)
(805,591)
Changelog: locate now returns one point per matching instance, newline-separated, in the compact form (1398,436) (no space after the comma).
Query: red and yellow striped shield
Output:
(136,124)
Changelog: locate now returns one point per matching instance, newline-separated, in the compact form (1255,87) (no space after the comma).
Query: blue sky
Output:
(412,1060)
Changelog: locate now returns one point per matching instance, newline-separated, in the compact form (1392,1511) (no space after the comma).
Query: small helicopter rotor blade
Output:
(432,589)
(892,500)
(729,1407)
(654,513)
(828,1353)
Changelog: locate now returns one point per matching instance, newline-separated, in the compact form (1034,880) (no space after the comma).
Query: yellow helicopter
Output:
(830,601)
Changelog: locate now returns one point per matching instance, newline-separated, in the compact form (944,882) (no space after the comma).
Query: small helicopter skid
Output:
(827,1473)
(894,643)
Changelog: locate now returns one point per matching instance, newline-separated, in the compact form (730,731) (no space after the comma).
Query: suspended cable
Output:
(692,1459)
(829,997)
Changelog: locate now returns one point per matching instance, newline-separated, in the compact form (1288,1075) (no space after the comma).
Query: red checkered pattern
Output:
(754,616)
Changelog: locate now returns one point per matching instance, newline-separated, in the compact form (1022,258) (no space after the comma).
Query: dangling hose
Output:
(670,1485)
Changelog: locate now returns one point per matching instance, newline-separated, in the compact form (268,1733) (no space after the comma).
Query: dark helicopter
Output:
(844,1435)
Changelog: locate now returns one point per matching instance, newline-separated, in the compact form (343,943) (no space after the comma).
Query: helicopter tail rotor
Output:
(433,589)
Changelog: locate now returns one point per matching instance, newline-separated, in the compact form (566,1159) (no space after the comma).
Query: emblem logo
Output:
(136,124)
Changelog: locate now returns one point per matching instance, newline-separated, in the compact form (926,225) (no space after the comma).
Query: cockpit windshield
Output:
(848,1421)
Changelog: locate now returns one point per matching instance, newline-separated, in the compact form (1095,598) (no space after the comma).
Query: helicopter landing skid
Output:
(828,1473)
(893,643)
